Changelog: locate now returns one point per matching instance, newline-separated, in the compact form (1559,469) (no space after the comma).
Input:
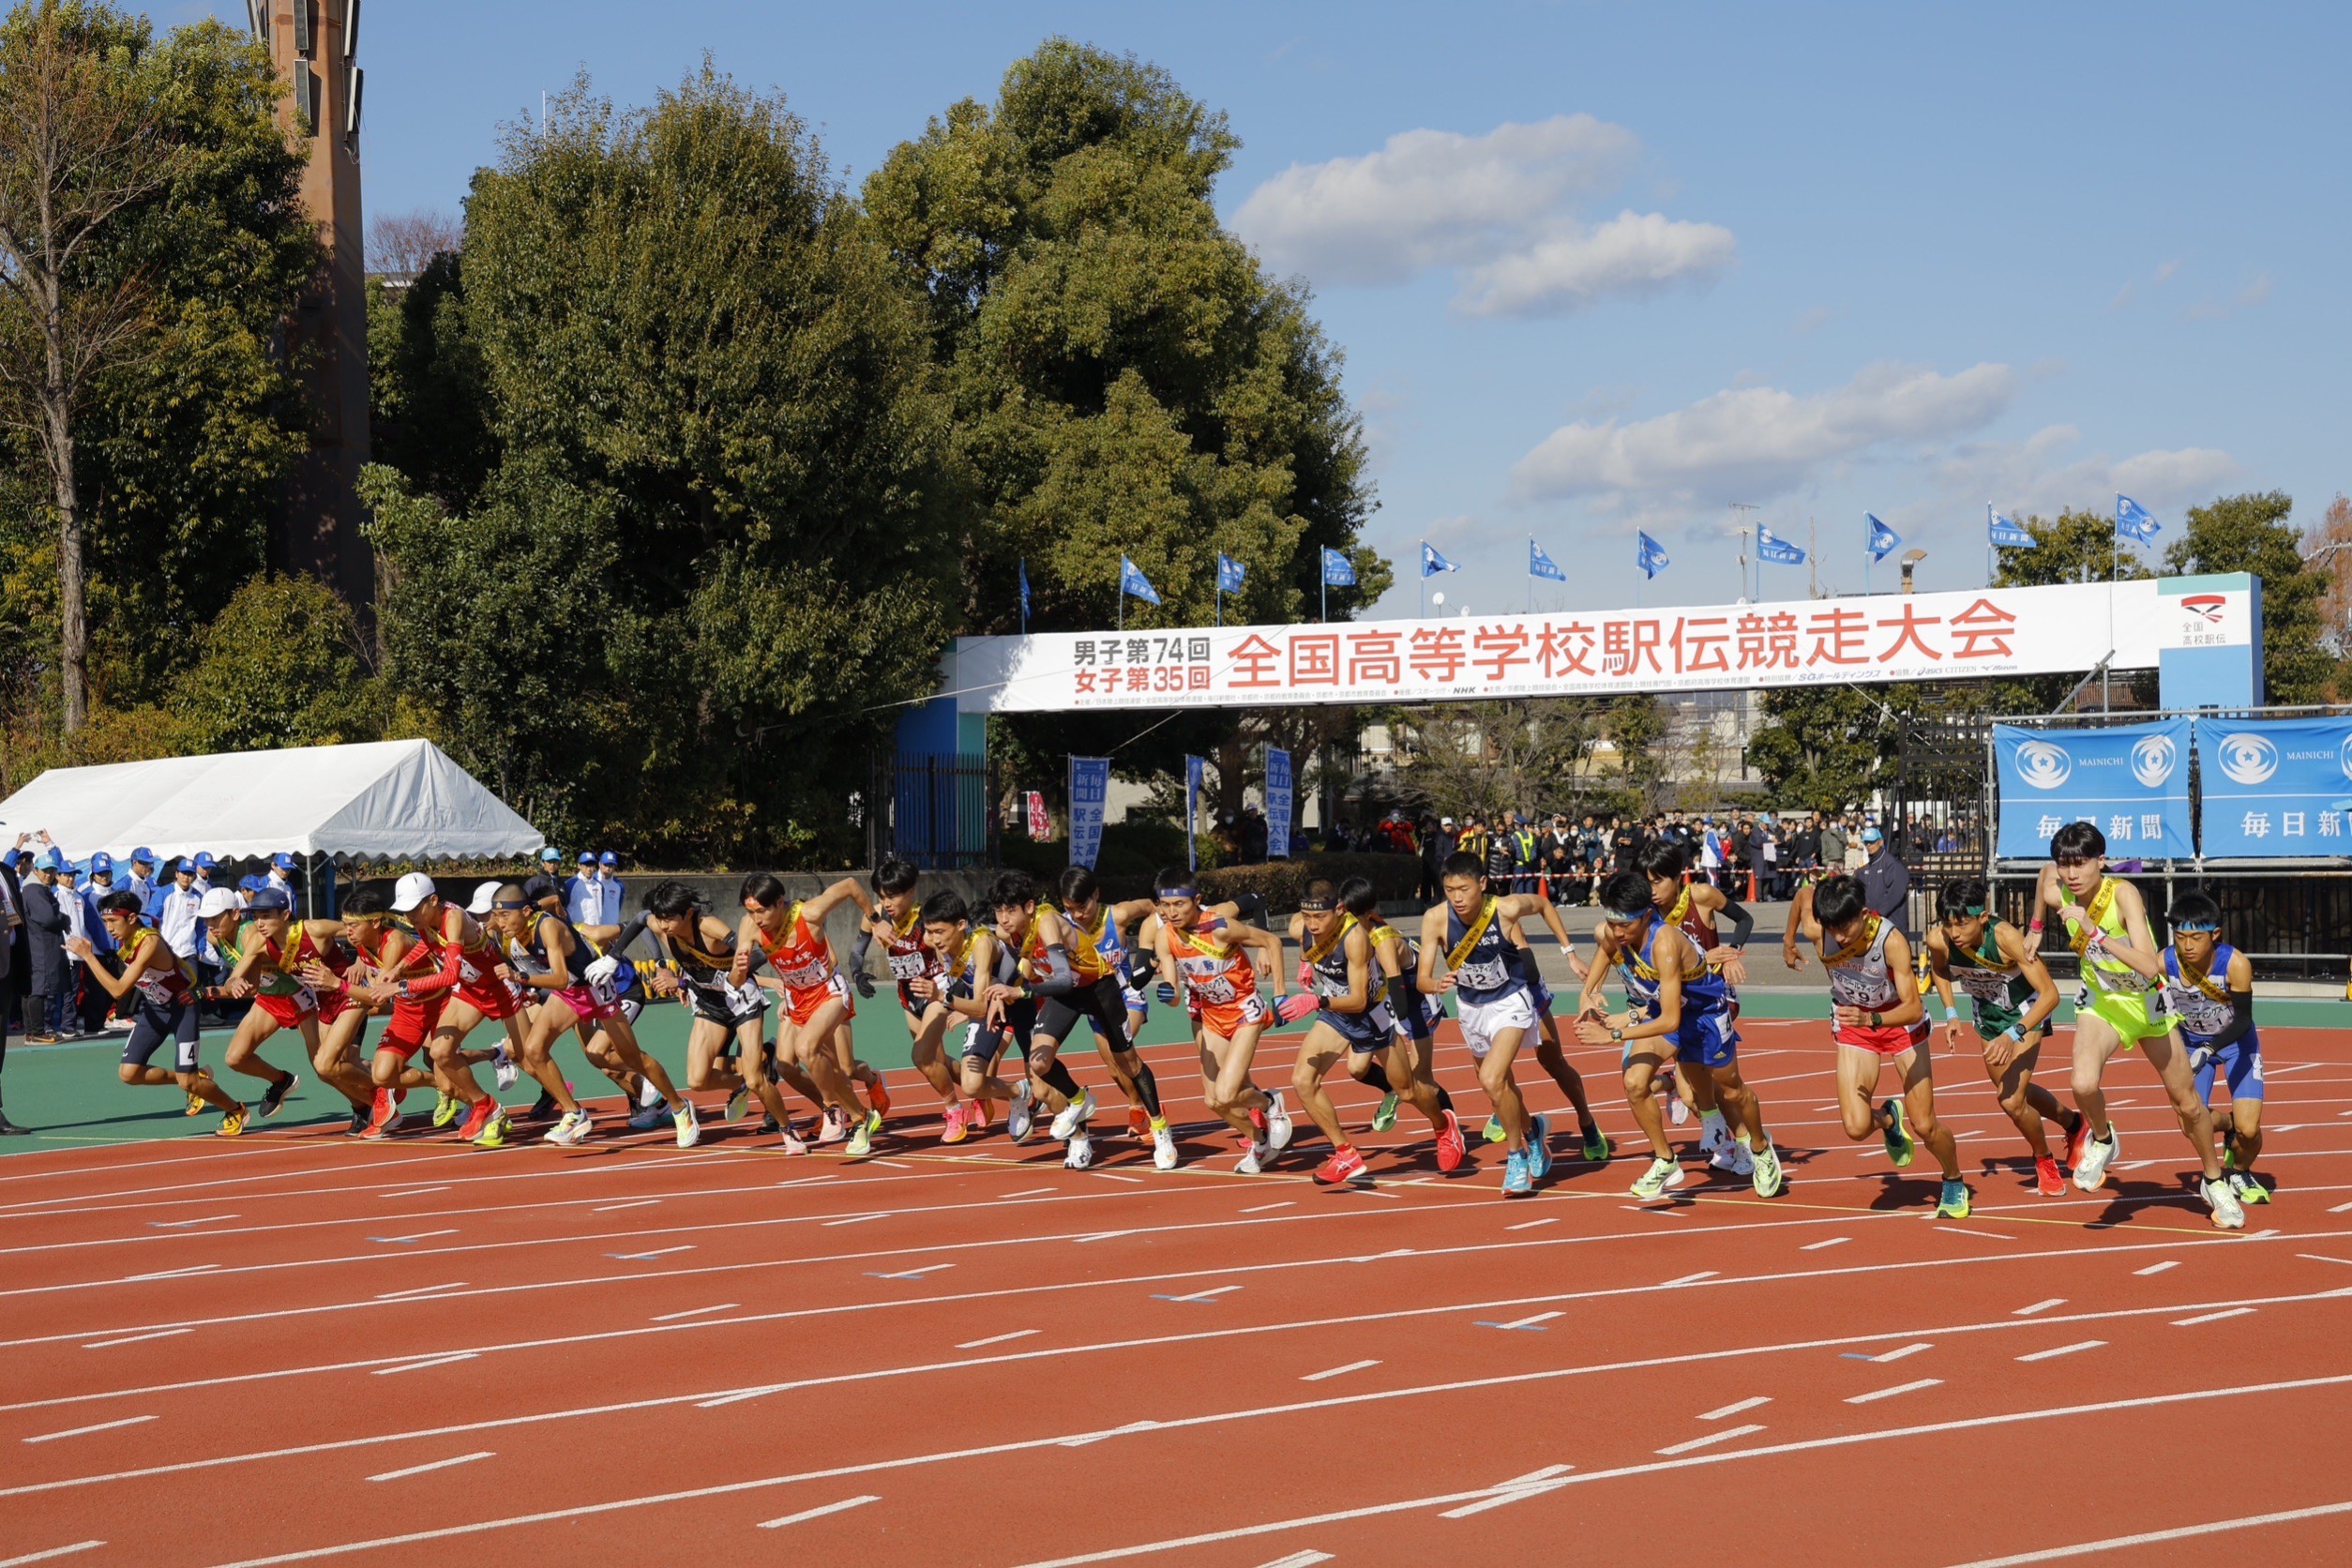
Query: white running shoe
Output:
(1080,1154)
(2096,1155)
(503,1069)
(1277,1123)
(1162,1149)
(1075,1115)
(571,1130)
(1018,1119)
(2228,1215)
(1733,1155)
(1677,1112)
(1254,1160)
(1661,1174)
(1714,1134)
(689,1125)
(794,1143)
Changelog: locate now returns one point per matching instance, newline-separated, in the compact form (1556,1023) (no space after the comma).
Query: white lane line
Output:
(643,1257)
(1877,1393)
(1101,1236)
(1833,1240)
(1299,1560)
(694,1312)
(1532,1223)
(633,1203)
(1081,1440)
(808,1514)
(996,1339)
(44,1557)
(1900,1351)
(100,1426)
(2044,1305)
(1526,1322)
(167,1273)
(1114,1176)
(912,1274)
(1722,1410)
(1025,1192)
(135,1338)
(177,1224)
(1270,1208)
(852,1219)
(1692,1278)
(2063,1350)
(2151,1538)
(421,1365)
(1518,1489)
(1710,1440)
(419,1290)
(2213,1316)
(2342,1209)
(1208,1295)
(1309,1377)
(2158,1268)
(411,1192)
(433,1465)
(418,1236)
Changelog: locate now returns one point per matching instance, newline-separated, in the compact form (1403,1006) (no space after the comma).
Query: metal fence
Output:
(939,810)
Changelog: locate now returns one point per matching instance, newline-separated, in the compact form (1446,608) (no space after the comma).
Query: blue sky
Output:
(1596,268)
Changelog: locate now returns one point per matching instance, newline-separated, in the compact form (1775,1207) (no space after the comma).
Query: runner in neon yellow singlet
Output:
(2106,923)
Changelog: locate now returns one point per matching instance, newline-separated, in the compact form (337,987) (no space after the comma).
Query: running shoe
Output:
(1677,1112)
(738,1100)
(503,1067)
(1898,1139)
(861,1141)
(1714,1135)
(478,1116)
(793,1143)
(494,1134)
(2228,1215)
(1733,1157)
(1517,1179)
(2077,1140)
(769,1124)
(195,1101)
(1163,1147)
(1344,1166)
(1597,1147)
(1078,1153)
(1453,1148)
(386,1121)
(274,1097)
(2248,1187)
(951,1124)
(1139,1122)
(1539,1147)
(1494,1133)
(2049,1180)
(544,1108)
(444,1107)
(1077,1114)
(232,1125)
(976,1115)
(1765,1176)
(688,1124)
(2091,1168)
(1278,1128)
(836,1127)
(1952,1204)
(1019,1120)
(361,1117)
(873,1123)
(1253,1159)
(1663,1174)
(877,1097)
(645,1119)
(571,1129)
(1385,1117)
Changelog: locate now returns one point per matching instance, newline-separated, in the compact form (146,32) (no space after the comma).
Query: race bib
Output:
(909,966)
(1488,976)
(800,979)
(1982,984)
(604,990)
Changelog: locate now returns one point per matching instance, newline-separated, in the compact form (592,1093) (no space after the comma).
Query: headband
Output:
(1316,906)
(1180,893)
(2200,927)
(1620,915)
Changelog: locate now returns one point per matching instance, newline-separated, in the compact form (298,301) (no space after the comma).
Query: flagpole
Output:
(1424,579)
(1989,572)
(1530,573)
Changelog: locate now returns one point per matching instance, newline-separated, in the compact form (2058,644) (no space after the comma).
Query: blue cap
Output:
(182,863)
(204,861)
(587,857)
(269,897)
(608,858)
(49,860)
(551,854)
(251,884)
(283,861)
(142,857)
(102,862)
(1871,836)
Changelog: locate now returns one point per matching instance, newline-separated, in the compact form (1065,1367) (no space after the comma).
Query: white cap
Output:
(413,889)
(483,896)
(218,901)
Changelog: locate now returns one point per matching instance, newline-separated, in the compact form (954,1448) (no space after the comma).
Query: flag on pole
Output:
(1884,541)
(2133,522)
(1541,565)
(1651,556)
(1432,562)
(1133,584)
(1229,574)
(2005,530)
(1338,571)
(1024,592)
(1772,546)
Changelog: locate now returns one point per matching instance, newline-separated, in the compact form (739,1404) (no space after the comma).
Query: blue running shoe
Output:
(1517,1182)
(1539,1146)
(646,1119)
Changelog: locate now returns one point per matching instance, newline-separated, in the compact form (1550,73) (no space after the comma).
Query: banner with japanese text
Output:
(2131,780)
(2275,788)
(1861,639)
(1278,804)
(1090,792)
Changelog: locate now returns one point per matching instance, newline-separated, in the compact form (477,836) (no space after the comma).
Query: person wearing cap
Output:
(584,895)
(46,925)
(160,986)
(12,970)
(176,915)
(269,954)
(141,878)
(93,1000)
(1886,883)
(609,884)
(465,976)
(280,877)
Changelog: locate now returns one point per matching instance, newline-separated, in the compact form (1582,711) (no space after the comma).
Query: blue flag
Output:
(1229,574)
(1772,546)
(1133,583)
(1651,556)
(1884,541)
(2133,521)
(1541,565)
(1432,562)
(1338,571)
(1024,590)
(2005,530)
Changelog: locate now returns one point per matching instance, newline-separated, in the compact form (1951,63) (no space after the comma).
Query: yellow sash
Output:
(2095,916)
(1338,935)
(1476,929)
(2203,981)
(1859,946)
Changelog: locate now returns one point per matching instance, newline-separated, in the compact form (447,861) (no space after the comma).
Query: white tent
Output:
(402,800)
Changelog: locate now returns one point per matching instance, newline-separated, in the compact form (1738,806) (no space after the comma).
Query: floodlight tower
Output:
(314,44)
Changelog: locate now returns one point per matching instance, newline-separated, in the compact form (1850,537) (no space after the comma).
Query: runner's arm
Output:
(1432,949)
(2240,982)
(1799,915)
(813,910)
(440,980)
(1908,1009)
(2045,898)
(1359,998)
(2139,949)
(1666,955)
(1061,976)
(119,984)
(1939,970)
(2037,974)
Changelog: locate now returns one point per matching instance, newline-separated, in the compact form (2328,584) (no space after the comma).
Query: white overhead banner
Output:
(1866,638)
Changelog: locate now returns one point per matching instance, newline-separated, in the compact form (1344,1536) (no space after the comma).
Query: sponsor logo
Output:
(2153,760)
(2207,606)
(2247,758)
(2044,764)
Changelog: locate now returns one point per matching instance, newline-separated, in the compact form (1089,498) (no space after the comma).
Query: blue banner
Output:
(1338,571)
(1883,540)
(1090,792)
(2131,780)
(1542,565)
(1432,562)
(1192,812)
(2000,530)
(1230,573)
(1649,555)
(2276,790)
(1133,583)
(1278,804)
(1772,546)
(2133,520)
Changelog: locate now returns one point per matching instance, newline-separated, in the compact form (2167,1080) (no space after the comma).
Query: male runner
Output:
(1203,959)
(1406,1069)
(2106,922)
(267,956)
(2215,1022)
(160,987)
(1695,908)
(1097,994)
(388,956)
(2013,996)
(786,933)
(972,964)
(1678,1012)
(1471,937)
(898,925)
(465,985)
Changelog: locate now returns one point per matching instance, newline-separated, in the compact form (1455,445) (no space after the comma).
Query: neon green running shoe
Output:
(1954,1204)
(1494,1130)
(1898,1137)
(493,1133)
(1597,1147)
(861,1141)
(1662,1174)
(1385,1117)
(445,1108)
(1767,1178)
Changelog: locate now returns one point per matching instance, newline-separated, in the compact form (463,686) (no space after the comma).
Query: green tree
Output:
(2251,533)
(429,404)
(2072,547)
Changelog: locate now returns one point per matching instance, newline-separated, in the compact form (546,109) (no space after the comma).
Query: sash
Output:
(1338,935)
(2095,916)
(1474,930)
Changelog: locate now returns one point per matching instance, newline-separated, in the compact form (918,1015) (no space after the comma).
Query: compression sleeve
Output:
(2241,1020)
(440,980)
(1402,993)
(1061,975)
(860,947)
(1742,924)
(629,933)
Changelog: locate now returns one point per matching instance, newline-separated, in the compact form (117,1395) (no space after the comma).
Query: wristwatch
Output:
(1617,1036)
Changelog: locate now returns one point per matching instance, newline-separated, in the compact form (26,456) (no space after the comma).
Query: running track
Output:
(300,1349)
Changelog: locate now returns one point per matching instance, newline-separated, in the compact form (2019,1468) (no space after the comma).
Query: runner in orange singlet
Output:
(788,934)
(1203,956)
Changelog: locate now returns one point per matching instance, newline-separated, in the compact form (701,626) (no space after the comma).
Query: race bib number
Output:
(1983,985)
(745,998)
(1491,975)
(1207,981)
(605,991)
(909,966)
(800,979)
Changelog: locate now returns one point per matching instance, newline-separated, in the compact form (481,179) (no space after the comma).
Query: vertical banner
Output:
(1192,812)
(2275,790)
(1040,821)
(2131,780)
(1277,804)
(1090,792)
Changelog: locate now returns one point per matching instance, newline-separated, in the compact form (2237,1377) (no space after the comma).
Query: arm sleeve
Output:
(860,947)
(1403,995)
(443,979)
(629,933)
(1062,979)
(2240,1019)
(1742,923)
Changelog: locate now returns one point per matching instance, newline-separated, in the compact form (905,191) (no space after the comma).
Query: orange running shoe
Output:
(1344,1166)
(1139,1122)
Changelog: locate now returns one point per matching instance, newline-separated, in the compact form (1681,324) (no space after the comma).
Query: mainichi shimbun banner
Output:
(1883,637)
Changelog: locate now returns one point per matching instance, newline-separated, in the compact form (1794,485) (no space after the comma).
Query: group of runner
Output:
(992,995)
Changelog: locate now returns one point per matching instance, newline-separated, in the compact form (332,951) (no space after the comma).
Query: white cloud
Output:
(1754,443)
(2037,475)
(1502,206)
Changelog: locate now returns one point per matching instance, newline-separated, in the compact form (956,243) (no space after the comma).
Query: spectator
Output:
(609,884)
(46,924)
(583,895)
(281,865)
(1527,855)
(1624,843)
(1767,862)
(1254,835)
(13,968)
(176,912)
(141,878)
(1886,883)
(1501,852)
(1473,837)
(1437,842)
(1832,848)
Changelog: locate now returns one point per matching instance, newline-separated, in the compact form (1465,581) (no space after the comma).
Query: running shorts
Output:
(1371,1030)
(154,1022)
(593,1002)
(288,1012)
(1887,1040)
(2126,1013)
(492,998)
(983,1045)
(413,1024)
(734,1006)
(1099,1004)
(1705,1038)
(2238,1064)
(1226,1019)
(802,1003)
(1482,1021)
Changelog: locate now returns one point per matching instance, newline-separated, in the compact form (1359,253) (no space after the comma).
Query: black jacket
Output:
(45,928)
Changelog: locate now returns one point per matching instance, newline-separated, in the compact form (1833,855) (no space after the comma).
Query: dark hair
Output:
(2077,842)
(1171,879)
(669,897)
(1012,887)
(125,902)
(368,901)
(762,887)
(1959,898)
(2194,906)
(945,908)
(1837,900)
(1460,865)
(896,877)
(1358,897)
(1661,857)
(1076,885)
(1625,890)
(1322,890)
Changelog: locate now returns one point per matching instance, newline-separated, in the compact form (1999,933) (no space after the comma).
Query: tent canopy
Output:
(398,799)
